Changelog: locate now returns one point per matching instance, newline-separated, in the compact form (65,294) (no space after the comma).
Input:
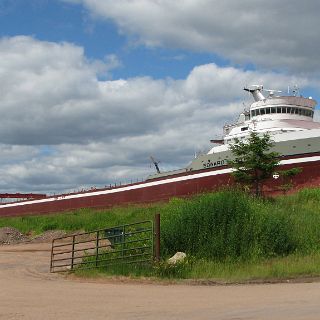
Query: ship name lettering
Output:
(210,164)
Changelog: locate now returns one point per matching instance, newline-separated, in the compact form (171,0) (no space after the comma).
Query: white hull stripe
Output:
(149,184)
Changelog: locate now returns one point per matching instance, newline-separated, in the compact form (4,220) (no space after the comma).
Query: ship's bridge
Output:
(296,108)
(273,114)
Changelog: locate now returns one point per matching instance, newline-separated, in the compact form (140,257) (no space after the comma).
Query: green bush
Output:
(276,235)
(226,225)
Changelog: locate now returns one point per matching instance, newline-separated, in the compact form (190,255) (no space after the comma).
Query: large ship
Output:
(287,119)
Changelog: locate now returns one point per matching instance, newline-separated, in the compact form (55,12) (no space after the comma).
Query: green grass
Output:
(273,269)
(83,219)
(292,266)
(230,236)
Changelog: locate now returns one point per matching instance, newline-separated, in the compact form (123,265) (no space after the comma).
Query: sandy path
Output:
(29,291)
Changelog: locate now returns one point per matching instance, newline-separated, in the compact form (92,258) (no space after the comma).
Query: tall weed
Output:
(226,225)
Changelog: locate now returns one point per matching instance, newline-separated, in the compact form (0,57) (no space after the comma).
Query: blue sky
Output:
(58,21)
(91,88)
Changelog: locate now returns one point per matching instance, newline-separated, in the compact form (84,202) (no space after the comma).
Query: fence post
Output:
(157,236)
(72,254)
(123,240)
(51,262)
(97,248)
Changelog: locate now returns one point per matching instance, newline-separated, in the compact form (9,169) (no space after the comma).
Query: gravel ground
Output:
(10,235)
(30,292)
(48,236)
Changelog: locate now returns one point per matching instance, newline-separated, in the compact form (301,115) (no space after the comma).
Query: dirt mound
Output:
(10,235)
(48,236)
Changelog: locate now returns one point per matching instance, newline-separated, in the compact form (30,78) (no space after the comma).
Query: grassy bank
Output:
(82,219)
(273,269)
(227,235)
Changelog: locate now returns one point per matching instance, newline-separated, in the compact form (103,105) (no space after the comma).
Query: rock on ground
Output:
(178,257)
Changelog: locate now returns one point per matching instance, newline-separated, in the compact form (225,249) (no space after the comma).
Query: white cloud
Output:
(271,34)
(63,128)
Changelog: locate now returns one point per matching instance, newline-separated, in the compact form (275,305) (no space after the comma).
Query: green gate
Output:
(124,244)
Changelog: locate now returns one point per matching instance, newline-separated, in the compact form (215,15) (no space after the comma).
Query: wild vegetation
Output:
(227,235)
(253,162)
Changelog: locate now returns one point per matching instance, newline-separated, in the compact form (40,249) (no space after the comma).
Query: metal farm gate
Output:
(124,244)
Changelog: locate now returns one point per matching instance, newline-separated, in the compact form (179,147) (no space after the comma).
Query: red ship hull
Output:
(162,189)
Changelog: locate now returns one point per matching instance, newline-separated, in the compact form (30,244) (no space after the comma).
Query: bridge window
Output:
(283,109)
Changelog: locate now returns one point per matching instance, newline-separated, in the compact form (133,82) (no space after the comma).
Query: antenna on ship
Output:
(156,163)
(295,90)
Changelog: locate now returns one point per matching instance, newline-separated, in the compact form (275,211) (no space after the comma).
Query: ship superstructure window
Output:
(287,110)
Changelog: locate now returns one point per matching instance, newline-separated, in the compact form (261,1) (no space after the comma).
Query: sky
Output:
(89,89)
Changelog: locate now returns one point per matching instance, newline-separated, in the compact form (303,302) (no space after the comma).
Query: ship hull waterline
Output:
(150,191)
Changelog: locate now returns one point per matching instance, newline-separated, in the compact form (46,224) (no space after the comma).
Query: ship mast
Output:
(156,163)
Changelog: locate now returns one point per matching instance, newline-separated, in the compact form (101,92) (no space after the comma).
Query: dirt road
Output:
(29,291)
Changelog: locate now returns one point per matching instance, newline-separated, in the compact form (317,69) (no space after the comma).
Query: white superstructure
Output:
(273,114)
